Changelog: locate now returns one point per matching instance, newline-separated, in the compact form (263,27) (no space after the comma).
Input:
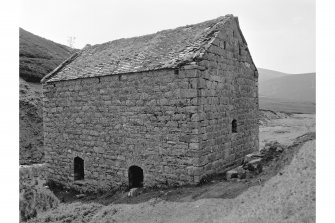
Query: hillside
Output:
(39,56)
(292,93)
(298,87)
(266,74)
(31,123)
(287,105)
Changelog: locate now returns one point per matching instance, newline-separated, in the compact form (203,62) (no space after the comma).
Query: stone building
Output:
(166,108)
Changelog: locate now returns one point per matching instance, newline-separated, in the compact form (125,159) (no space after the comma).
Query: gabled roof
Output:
(171,48)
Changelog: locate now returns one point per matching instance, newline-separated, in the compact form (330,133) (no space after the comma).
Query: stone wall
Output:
(174,124)
(228,90)
(113,122)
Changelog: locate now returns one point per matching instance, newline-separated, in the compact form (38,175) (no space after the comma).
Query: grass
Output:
(286,105)
(39,56)
(34,200)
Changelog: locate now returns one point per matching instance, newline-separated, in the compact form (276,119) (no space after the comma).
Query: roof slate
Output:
(171,48)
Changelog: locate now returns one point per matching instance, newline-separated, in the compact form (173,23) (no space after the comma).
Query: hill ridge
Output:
(39,56)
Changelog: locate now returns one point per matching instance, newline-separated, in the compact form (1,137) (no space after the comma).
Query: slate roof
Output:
(171,48)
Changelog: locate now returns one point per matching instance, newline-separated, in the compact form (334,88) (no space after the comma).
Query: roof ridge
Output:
(220,19)
(165,49)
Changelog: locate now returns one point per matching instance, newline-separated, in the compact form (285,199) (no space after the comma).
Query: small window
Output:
(234,126)
(78,168)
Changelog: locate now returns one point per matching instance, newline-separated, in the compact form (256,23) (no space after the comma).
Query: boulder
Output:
(231,174)
(80,196)
(252,156)
(241,173)
(133,192)
(254,165)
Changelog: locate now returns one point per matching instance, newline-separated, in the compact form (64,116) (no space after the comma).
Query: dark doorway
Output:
(234,126)
(135,176)
(78,168)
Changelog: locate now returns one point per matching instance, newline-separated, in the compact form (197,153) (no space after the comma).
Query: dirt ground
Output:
(285,130)
(283,192)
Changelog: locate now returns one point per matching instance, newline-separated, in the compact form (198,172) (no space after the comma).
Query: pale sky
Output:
(280,33)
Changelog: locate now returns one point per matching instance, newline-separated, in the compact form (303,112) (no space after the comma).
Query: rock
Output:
(252,156)
(254,165)
(231,174)
(241,173)
(279,149)
(272,150)
(255,161)
(80,196)
(133,192)
(265,149)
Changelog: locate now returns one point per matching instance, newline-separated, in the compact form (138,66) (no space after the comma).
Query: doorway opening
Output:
(234,126)
(135,177)
(78,168)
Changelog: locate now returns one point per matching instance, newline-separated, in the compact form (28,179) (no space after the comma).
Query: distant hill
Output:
(293,93)
(266,74)
(286,105)
(298,87)
(39,56)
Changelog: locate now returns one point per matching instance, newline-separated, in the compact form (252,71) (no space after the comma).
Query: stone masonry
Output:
(174,122)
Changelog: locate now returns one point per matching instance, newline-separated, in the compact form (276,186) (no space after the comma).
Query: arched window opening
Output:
(78,168)
(234,126)
(135,176)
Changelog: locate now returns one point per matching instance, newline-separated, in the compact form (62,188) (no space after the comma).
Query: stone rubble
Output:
(253,162)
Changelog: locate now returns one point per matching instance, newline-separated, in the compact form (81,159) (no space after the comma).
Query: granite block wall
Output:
(174,124)
(113,122)
(228,90)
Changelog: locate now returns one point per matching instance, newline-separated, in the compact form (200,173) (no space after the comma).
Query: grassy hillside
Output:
(298,87)
(266,74)
(39,56)
(293,93)
(286,105)
(31,123)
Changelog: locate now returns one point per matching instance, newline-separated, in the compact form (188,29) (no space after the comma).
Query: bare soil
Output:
(283,192)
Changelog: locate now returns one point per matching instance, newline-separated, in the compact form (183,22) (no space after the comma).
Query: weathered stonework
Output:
(175,124)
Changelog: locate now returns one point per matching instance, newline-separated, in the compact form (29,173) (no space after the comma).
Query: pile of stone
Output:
(253,163)
(272,150)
